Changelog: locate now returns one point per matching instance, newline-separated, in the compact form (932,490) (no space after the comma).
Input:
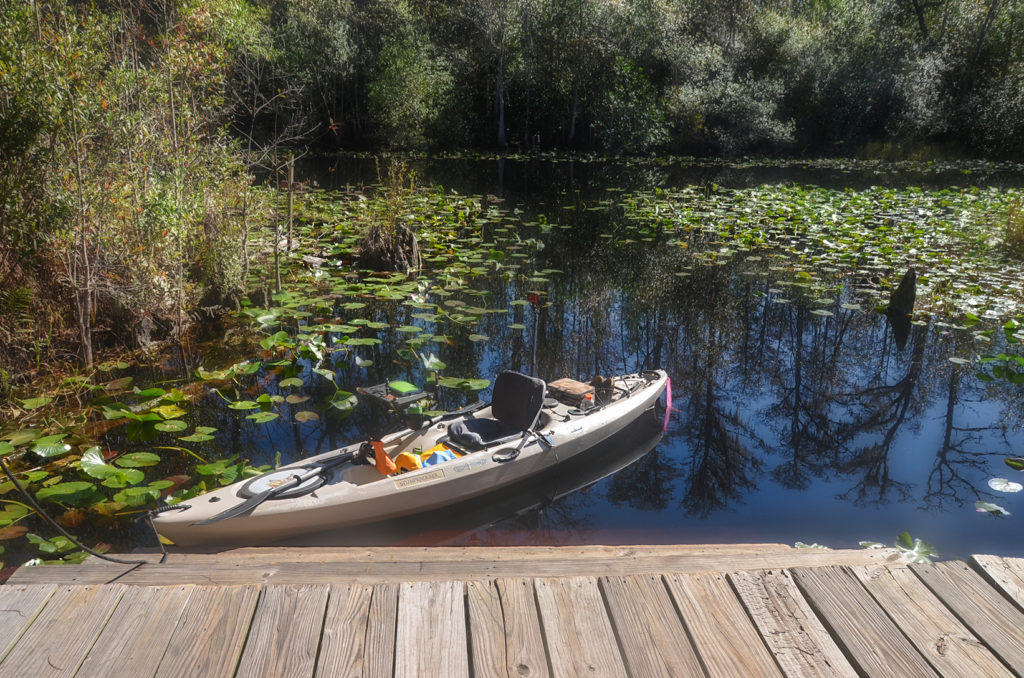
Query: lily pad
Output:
(1004,485)
(170,426)
(291,381)
(138,459)
(51,447)
(304,416)
(77,493)
(263,417)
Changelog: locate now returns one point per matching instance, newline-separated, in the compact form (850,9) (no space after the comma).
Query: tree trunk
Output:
(502,141)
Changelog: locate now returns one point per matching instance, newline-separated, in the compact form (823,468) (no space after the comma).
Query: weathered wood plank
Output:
(61,635)
(1006,573)
(285,632)
(19,606)
(210,633)
(429,554)
(653,638)
(431,636)
(381,629)
(378,569)
(137,633)
(580,638)
(939,636)
(343,644)
(996,621)
(525,654)
(486,629)
(871,640)
(801,645)
(722,633)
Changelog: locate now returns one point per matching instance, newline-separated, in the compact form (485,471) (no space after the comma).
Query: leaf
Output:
(1016,463)
(137,459)
(94,465)
(263,417)
(171,426)
(294,399)
(196,438)
(243,405)
(363,363)
(35,403)
(150,393)
(169,411)
(117,384)
(13,532)
(990,508)
(291,381)
(5,448)
(478,337)
(915,550)
(76,493)
(306,415)
(464,384)
(343,400)
(871,545)
(51,447)
(1004,485)
(410,329)
(23,436)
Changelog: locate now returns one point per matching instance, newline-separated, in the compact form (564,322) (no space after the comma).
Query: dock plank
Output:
(580,638)
(525,653)
(486,629)
(870,639)
(1006,573)
(382,566)
(939,636)
(61,635)
(135,637)
(431,637)
(993,619)
(381,629)
(285,632)
(19,606)
(725,638)
(343,649)
(788,625)
(651,634)
(210,633)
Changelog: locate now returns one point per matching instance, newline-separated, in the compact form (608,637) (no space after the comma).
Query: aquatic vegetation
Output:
(104,446)
(911,550)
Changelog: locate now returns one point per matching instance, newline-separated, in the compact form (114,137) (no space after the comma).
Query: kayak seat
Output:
(516,403)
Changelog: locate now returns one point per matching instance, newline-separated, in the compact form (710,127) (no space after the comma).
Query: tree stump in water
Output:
(390,248)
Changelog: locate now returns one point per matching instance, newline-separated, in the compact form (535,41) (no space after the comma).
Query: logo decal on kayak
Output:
(411,480)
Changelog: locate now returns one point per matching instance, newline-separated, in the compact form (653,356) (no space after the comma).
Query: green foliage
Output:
(1013,229)
(408,91)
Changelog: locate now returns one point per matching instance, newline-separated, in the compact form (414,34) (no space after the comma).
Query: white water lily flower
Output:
(1004,485)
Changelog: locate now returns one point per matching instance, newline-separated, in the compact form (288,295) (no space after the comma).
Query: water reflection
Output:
(801,413)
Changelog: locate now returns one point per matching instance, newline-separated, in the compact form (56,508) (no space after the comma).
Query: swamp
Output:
(220,220)
(804,410)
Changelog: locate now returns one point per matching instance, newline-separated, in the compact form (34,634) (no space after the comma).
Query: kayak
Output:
(528,428)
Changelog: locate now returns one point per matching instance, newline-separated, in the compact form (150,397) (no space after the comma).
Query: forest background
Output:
(131,132)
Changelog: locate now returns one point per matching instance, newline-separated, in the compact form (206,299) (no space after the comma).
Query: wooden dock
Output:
(761,610)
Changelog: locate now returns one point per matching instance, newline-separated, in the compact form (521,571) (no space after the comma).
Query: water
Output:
(786,424)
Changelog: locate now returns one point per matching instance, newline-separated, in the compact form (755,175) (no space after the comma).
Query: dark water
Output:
(787,425)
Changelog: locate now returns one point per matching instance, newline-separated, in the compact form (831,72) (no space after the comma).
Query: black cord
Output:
(53,523)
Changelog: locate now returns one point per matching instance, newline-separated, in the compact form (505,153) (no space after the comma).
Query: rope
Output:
(53,523)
